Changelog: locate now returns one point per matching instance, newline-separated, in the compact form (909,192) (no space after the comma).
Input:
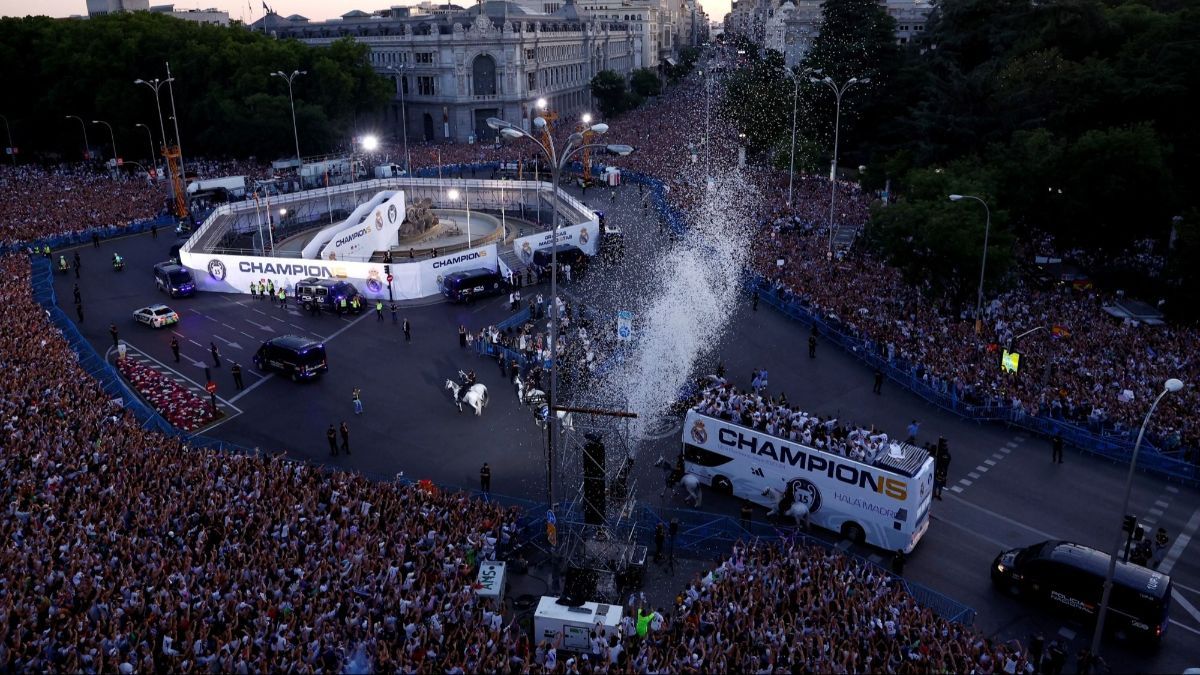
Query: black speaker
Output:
(595,501)
(593,457)
(579,585)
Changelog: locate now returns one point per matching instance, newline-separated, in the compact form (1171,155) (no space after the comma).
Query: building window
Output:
(425,85)
(531,81)
(530,55)
(424,57)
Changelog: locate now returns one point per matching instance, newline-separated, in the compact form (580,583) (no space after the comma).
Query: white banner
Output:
(435,269)
(235,273)
(377,232)
(585,236)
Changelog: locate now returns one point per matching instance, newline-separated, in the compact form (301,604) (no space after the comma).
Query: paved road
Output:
(1005,492)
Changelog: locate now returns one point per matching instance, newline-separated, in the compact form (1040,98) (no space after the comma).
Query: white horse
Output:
(538,397)
(689,481)
(798,510)
(476,397)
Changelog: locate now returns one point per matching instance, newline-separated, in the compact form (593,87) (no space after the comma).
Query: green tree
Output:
(645,82)
(608,87)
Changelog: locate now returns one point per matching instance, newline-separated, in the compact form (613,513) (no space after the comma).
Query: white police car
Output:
(156,316)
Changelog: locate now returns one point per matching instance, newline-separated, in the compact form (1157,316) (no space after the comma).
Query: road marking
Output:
(254,386)
(198,386)
(260,326)
(1006,450)
(1021,437)
(231,344)
(343,329)
(974,475)
(247,334)
(964,482)
(1149,522)
(278,319)
(1156,512)
(955,488)
(300,327)
(1066,633)
(1010,521)
(261,312)
(1187,606)
(1189,589)
(195,343)
(1011,444)
(1172,489)
(972,531)
(201,314)
(1185,627)
(1162,503)
(990,462)
(1181,542)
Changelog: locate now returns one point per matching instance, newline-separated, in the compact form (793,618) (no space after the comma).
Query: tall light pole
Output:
(575,144)
(175,116)
(155,85)
(150,140)
(292,100)
(112,136)
(838,92)
(403,115)
(10,143)
(795,77)
(987,228)
(1170,386)
(86,148)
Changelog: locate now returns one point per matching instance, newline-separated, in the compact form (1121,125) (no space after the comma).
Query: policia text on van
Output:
(1071,577)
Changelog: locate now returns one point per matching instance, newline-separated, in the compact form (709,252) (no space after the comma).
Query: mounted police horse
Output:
(476,396)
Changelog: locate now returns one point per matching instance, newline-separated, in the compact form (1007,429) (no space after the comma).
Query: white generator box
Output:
(490,581)
(575,623)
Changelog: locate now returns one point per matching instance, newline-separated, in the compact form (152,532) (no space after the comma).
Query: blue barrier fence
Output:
(1114,445)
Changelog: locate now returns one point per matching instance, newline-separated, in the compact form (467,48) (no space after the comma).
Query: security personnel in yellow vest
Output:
(342,306)
(282,298)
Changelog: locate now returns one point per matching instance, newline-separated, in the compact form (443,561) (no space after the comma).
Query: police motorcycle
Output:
(63,266)
(118,262)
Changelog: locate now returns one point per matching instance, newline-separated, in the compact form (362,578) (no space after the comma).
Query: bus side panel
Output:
(837,489)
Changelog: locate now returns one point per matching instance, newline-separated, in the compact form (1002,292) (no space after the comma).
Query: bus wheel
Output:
(854,532)
(722,485)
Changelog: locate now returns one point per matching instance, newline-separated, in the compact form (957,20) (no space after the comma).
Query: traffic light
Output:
(387,269)
(1129,524)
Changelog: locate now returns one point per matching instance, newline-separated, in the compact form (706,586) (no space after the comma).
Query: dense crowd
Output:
(775,417)
(1102,371)
(66,199)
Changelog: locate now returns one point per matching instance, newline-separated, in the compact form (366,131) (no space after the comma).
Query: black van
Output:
(567,255)
(329,293)
(175,279)
(297,357)
(1071,577)
(470,284)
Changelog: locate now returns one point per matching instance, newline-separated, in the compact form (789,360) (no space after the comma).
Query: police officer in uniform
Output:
(175,349)
(253,291)
(345,430)
(485,478)
(331,436)
(236,371)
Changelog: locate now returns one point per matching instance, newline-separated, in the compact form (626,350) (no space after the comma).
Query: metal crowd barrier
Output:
(1116,448)
(85,237)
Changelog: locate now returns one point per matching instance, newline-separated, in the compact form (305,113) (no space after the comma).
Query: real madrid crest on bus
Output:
(624,325)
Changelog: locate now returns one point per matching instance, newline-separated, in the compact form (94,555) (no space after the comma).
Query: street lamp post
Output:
(292,101)
(150,140)
(795,77)
(987,228)
(575,144)
(111,135)
(838,92)
(87,152)
(403,116)
(8,129)
(1169,387)
(155,85)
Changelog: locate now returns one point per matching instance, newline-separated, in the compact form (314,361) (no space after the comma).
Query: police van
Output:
(567,255)
(299,358)
(884,502)
(1071,577)
(175,279)
(470,284)
(328,293)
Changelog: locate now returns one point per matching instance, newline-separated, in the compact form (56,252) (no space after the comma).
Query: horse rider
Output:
(468,382)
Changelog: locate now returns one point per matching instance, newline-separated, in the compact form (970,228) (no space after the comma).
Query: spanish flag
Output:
(1060,331)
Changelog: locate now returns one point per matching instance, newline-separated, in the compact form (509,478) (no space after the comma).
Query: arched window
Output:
(483,73)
